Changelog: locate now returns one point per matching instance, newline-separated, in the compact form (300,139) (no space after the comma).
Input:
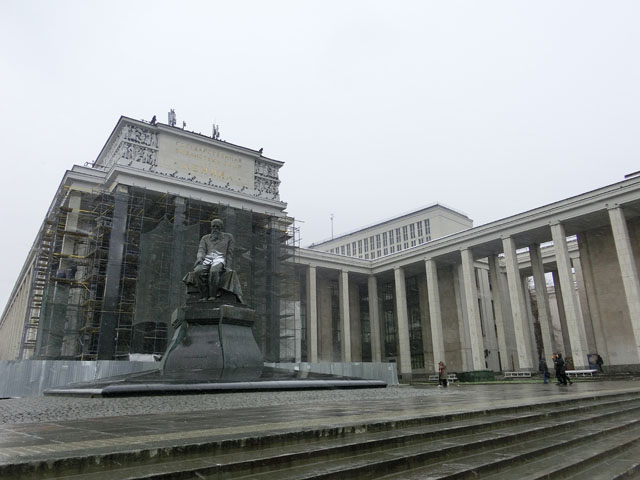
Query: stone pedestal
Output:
(214,341)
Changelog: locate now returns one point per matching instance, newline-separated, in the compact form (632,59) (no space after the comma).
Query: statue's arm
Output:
(230,247)
(202,251)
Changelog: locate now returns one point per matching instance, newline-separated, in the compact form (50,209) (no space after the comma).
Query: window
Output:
(378,253)
(359,247)
(348,249)
(413,243)
(412,230)
(392,249)
(371,244)
(427,229)
(378,241)
(353,248)
(406,245)
(405,235)
(342,250)
(373,254)
(390,237)
(384,239)
(419,229)
(386,251)
(398,239)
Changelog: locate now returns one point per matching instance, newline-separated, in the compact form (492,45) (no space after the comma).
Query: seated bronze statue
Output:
(213,274)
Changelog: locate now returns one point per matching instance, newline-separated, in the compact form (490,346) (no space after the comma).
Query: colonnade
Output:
(499,255)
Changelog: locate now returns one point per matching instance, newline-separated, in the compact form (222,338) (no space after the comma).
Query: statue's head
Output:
(216,226)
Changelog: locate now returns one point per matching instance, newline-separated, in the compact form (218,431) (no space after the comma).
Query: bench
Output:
(581,373)
(451,377)
(517,374)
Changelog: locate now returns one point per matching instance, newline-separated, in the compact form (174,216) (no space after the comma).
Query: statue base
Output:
(213,341)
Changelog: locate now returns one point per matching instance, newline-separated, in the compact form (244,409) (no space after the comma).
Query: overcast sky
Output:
(376,108)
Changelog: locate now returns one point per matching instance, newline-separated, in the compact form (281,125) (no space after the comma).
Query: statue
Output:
(213,272)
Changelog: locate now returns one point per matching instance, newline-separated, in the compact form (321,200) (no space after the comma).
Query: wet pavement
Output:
(41,429)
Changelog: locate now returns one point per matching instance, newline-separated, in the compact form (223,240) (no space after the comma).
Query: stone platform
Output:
(117,438)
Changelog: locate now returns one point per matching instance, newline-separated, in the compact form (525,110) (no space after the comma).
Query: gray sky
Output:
(376,108)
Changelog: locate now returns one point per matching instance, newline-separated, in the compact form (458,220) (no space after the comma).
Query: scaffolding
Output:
(109,264)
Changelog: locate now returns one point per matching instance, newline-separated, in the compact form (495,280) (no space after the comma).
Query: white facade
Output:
(397,234)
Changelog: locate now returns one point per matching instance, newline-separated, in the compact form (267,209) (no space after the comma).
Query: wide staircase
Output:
(592,438)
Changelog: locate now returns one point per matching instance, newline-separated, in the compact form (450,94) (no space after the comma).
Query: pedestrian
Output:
(542,366)
(599,362)
(561,371)
(442,374)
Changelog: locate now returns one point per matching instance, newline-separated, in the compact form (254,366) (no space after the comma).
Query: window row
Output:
(386,243)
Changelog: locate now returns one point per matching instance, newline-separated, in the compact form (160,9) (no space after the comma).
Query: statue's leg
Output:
(202,279)
(214,280)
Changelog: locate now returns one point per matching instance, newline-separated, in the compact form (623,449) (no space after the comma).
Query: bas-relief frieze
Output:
(198,163)
(134,144)
(266,180)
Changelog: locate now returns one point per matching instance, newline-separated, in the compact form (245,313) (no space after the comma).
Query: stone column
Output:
(109,321)
(574,323)
(374,319)
(563,345)
(345,323)
(404,346)
(542,298)
(463,318)
(628,270)
(435,313)
(312,316)
(583,304)
(530,332)
(516,297)
(473,311)
(496,293)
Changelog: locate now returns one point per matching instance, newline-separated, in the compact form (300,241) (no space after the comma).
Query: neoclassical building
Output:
(103,276)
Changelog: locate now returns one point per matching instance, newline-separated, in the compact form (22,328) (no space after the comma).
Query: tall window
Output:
(353,248)
(405,235)
(335,321)
(342,250)
(388,320)
(427,228)
(366,245)
(398,238)
(415,324)
(420,230)
(359,247)
(349,249)
(365,323)
(412,230)
(390,237)
(384,239)
(378,241)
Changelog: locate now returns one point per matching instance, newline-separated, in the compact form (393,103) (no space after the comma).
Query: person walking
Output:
(442,374)
(561,371)
(542,366)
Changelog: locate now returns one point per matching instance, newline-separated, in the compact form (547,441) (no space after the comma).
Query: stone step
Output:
(461,457)
(582,459)
(363,446)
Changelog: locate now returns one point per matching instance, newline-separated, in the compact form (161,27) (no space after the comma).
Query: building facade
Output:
(479,299)
(103,277)
(397,234)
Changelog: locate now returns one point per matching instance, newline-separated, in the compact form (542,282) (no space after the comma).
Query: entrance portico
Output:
(600,259)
